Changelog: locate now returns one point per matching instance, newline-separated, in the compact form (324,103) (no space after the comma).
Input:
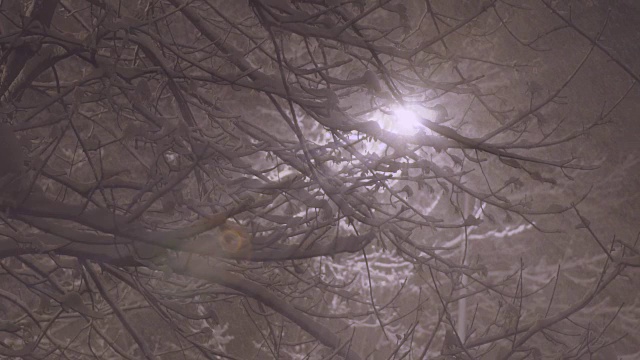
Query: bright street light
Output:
(401,120)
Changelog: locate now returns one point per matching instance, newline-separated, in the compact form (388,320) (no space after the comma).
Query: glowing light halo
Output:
(398,119)
(402,120)
(405,120)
